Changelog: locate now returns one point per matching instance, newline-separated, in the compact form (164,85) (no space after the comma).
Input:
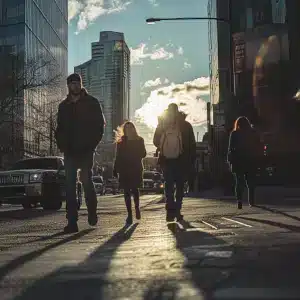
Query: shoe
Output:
(129,220)
(137,213)
(240,205)
(71,228)
(251,203)
(93,219)
(179,217)
(170,217)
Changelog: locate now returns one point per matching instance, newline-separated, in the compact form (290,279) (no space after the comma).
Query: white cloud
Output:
(89,10)
(180,51)
(142,52)
(156,82)
(187,95)
(151,83)
(187,65)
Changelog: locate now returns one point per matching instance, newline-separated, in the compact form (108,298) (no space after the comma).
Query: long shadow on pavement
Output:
(87,280)
(272,223)
(21,260)
(276,211)
(198,247)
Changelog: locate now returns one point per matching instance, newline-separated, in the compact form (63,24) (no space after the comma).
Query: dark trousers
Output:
(72,164)
(243,180)
(174,180)
(136,198)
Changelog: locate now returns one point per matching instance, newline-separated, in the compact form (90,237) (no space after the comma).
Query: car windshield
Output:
(97,179)
(37,163)
(152,176)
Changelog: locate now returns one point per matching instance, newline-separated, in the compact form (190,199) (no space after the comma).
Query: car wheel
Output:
(51,204)
(28,204)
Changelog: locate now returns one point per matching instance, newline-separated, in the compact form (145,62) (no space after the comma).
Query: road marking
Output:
(210,225)
(219,254)
(235,221)
(194,229)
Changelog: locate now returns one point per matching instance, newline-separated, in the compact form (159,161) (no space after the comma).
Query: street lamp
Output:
(155,20)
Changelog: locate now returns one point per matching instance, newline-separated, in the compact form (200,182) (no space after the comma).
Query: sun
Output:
(150,111)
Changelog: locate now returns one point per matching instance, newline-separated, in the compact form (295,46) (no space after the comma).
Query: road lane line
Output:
(210,225)
(238,222)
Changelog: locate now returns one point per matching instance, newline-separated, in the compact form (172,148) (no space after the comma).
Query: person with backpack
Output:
(128,166)
(245,151)
(174,137)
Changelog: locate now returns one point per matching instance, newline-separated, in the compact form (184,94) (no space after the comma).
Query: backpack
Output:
(171,143)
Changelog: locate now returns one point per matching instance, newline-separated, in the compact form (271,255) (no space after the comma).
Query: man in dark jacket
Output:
(80,126)
(174,137)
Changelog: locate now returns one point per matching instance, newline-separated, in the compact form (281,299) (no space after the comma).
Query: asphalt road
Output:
(217,253)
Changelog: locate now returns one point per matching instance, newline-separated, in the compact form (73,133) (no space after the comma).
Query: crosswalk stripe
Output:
(210,225)
(235,221)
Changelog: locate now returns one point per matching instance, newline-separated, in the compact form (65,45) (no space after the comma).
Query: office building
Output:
(106,76)
(255,59)
(32,31)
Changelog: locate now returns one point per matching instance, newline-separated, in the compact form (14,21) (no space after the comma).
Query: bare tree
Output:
(29,93)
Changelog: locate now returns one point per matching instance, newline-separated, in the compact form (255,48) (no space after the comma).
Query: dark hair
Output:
(242,123)
(120,132)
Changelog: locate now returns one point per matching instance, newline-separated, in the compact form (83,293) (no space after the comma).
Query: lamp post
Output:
(155,20)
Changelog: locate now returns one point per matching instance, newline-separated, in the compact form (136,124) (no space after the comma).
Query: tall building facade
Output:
(263,61)
(33,33)
(107,77)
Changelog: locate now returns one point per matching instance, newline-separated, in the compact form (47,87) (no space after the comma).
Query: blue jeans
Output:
(174,180)
(72,164)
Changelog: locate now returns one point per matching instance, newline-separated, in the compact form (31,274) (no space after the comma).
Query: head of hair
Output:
(121,131)
(242,123)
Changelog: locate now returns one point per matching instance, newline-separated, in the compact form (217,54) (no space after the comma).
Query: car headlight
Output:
(36,177)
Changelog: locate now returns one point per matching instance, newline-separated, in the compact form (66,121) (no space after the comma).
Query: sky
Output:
(169,60)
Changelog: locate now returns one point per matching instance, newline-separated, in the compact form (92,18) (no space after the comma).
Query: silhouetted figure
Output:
(80,125)
(128,166)
(175,139)
(244,154)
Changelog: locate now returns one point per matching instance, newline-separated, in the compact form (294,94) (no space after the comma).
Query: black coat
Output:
(188,156)
(245,151)
(128,163)
(80,125)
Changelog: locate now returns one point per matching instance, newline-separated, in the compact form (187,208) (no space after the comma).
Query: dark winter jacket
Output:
(80,125)
(128,162)
(245,151)
(188,155)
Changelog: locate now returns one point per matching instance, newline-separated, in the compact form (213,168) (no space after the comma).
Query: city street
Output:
(218,252)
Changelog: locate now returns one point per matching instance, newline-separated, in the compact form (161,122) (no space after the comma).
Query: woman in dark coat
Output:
(128,166)
(244,154)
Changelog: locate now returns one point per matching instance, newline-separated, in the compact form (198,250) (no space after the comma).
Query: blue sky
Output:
(163,55)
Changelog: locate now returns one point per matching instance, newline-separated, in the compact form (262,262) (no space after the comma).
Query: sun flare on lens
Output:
(188,96)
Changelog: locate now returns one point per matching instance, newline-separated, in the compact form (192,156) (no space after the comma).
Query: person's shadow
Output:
(85,281)
(198,248)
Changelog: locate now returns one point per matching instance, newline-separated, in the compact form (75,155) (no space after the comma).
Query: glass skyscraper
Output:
(34,30)
(107,77)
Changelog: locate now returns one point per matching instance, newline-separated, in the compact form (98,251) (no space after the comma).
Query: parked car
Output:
(112,186)
(34,181)
(99,185)
(153,182)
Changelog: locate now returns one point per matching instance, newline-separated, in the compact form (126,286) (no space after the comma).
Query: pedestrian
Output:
(175,139)
(80,126)
(128,166)
(245,151)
